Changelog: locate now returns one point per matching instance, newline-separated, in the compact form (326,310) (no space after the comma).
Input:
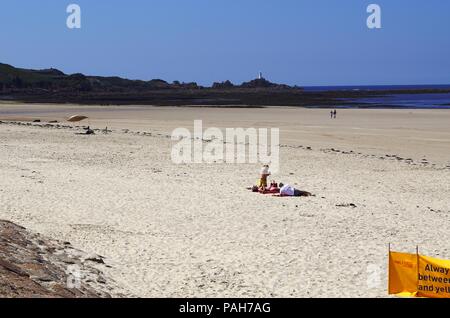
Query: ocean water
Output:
(440,101)
(373,87)
(409,101)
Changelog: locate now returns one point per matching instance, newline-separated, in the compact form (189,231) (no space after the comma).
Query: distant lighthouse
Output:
(260,76)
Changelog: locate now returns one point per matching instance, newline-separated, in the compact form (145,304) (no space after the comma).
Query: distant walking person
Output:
(331,114)
(335,114)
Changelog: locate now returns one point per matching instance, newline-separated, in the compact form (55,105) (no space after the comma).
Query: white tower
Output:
(260,76)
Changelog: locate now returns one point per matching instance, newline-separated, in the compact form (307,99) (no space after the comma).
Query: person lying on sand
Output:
(287,190)
(270,190)
(281,190)
(274,186)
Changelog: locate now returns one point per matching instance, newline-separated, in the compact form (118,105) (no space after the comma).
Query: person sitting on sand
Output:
(287,190)
(262,182)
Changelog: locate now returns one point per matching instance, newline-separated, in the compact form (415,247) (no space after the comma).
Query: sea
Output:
(436,101)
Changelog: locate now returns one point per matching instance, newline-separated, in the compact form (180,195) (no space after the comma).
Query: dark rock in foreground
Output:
(32,266)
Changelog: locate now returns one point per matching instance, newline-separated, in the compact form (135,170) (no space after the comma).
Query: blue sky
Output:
(302,42)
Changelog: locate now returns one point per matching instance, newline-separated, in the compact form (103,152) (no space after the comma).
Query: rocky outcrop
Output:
(263,83)
(223,85)
(33,266)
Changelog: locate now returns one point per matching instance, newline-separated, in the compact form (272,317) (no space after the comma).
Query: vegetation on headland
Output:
(54,86)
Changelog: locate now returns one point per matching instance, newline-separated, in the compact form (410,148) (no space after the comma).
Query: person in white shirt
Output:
(287,190)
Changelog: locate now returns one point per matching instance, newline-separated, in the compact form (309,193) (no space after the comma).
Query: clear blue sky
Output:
(303,42)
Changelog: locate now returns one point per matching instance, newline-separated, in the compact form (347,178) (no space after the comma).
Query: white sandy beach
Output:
(195,231)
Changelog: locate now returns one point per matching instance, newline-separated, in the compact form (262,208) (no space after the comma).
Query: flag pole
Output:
(389,268)
(418,267)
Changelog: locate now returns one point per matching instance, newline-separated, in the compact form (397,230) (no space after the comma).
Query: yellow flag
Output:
(413,275)
(403,274)
(434,277)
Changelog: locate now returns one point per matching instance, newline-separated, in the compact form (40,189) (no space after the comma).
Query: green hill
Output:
(12,78)
(19,79)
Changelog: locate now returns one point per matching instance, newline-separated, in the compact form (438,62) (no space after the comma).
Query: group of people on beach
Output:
(333,114)
(282,190)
